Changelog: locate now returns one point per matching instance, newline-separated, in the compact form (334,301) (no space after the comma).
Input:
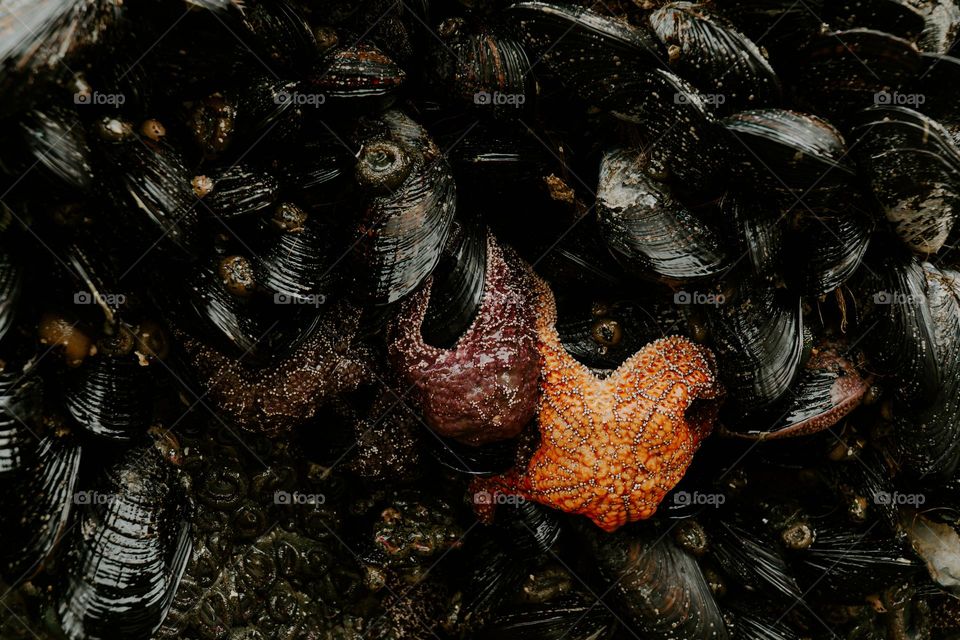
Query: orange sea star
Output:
(611,448)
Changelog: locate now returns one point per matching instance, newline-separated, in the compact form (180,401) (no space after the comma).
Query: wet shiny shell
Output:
(403,231)
(131,544)
(708,50)
(647,230)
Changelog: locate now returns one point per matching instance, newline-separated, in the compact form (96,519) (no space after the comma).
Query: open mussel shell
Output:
(913,166)
(128,551)
(487,70)
(481,389)
(787,152)
(659,589)
(928,435)
(410,201)
(757,333)
(648,230)
(41,493)
(899,333)
(711,53)
(590,52)
(359,76)
(829,387)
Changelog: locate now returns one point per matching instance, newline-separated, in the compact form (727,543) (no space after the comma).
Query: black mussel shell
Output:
(590,52)
(57,140)
(358,76)
(829,387)
(249,319)
(489,71)
(844,71)
(11,287)
(707,50)
(757,333)
(111,396)
(648,231)
(760,232)
(150,186)
(659,589)
(240,191)
(281,36)
(457,288)
(20,403)
(41,40)
(844,564)
(787,152)
(41,492)
(603,333)
(899,333)
(127,554)
(913,167)
(674,123)
(410,201)
(826,245)
(928,437)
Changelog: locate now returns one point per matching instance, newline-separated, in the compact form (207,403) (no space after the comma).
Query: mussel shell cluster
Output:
(268,308)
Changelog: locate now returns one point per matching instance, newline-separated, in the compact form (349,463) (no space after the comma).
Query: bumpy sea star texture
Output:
(275,399)
(611,448)
(484,388)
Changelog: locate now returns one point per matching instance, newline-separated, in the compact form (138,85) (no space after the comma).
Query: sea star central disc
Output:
(611,448)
